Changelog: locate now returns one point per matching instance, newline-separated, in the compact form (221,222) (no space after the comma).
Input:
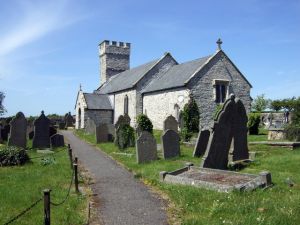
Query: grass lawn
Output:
(278,205)
(20,186)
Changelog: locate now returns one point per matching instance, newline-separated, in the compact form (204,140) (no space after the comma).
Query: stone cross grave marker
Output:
(170,144)
(57,140)
(170,123)
(201,143)
(102,133)
(231,124)
(18,129)
(146,148)
(41,132)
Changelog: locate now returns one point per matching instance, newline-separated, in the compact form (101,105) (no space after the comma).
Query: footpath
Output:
(122,198)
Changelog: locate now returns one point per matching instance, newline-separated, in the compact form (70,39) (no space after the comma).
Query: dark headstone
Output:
(229,131)
(31,135)
(52,131)
(5,131)
(111,132)
(170,144)
(201,143)
(102,133)
(69,120)
(18,128)
(41,132)
(57,140)
(170,123)
(146,148)
(90,126)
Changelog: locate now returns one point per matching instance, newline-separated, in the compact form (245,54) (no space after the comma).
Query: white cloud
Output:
(36,21)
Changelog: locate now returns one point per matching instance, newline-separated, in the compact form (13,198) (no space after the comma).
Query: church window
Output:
(125,104)
(220,90)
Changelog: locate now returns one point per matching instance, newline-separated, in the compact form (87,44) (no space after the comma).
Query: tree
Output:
(276,105)
(260,103)
(2,109)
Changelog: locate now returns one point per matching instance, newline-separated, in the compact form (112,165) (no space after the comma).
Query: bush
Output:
(11,156)
(145,123)
(125,136)
(253,123)
(185,135)
(217,110)
(191,116)
(292,132)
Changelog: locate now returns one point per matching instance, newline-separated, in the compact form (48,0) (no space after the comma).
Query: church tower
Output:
(114,58)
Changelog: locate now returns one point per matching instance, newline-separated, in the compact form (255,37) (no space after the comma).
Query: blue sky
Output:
(47,48)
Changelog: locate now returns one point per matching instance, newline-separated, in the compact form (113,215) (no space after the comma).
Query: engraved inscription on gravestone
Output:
(146,148)
(170,144)
(170,123)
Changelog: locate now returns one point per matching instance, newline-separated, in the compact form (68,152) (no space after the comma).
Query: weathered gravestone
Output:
(5,132)
(111,132)
(146,148)
(41,132)
(18,129)
(170,144)
(31,135)
(201,143)
(230,129)
(69,120)
(170,123)
(90,126)
(102,133)
(52,131)
(57,140)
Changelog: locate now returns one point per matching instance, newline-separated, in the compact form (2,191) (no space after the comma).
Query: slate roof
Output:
(126,79)
(97,101)
(176,76)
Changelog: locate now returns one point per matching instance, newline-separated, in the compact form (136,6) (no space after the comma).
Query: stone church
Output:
(160,87)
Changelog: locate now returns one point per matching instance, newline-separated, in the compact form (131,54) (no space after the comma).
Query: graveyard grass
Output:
(276,205)
(21,186)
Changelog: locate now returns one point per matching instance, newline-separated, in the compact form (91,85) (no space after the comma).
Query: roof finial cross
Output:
(219,43)
(80,87)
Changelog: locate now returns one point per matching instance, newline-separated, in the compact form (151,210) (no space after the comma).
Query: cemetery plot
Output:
(220,180)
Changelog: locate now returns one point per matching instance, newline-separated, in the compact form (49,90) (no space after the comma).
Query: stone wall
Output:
(163,65)
(99,116)
(159,105)
(202,87)
(119,105)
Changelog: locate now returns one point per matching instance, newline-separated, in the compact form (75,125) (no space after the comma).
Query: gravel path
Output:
(123,199)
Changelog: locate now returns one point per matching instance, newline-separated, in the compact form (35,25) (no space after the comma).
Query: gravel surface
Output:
(123,199)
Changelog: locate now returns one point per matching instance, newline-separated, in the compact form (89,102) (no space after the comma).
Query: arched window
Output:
(79,118)
(125,104)
(176,107)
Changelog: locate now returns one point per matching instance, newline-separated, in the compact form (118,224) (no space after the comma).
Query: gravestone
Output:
(90,126)
(102,133)
(229,132)
(57,140)
(41,132)
(69,120)
(18,129)
(138,131)
(111,132)
(201,143)
(170,144)
(146,148)
(31,135)
(5,132)
(170,123)
(52,131)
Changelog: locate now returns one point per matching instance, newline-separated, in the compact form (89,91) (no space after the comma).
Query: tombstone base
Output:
(219,180)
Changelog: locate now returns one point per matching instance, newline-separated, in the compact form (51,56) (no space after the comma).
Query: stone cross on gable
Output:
(219,43)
